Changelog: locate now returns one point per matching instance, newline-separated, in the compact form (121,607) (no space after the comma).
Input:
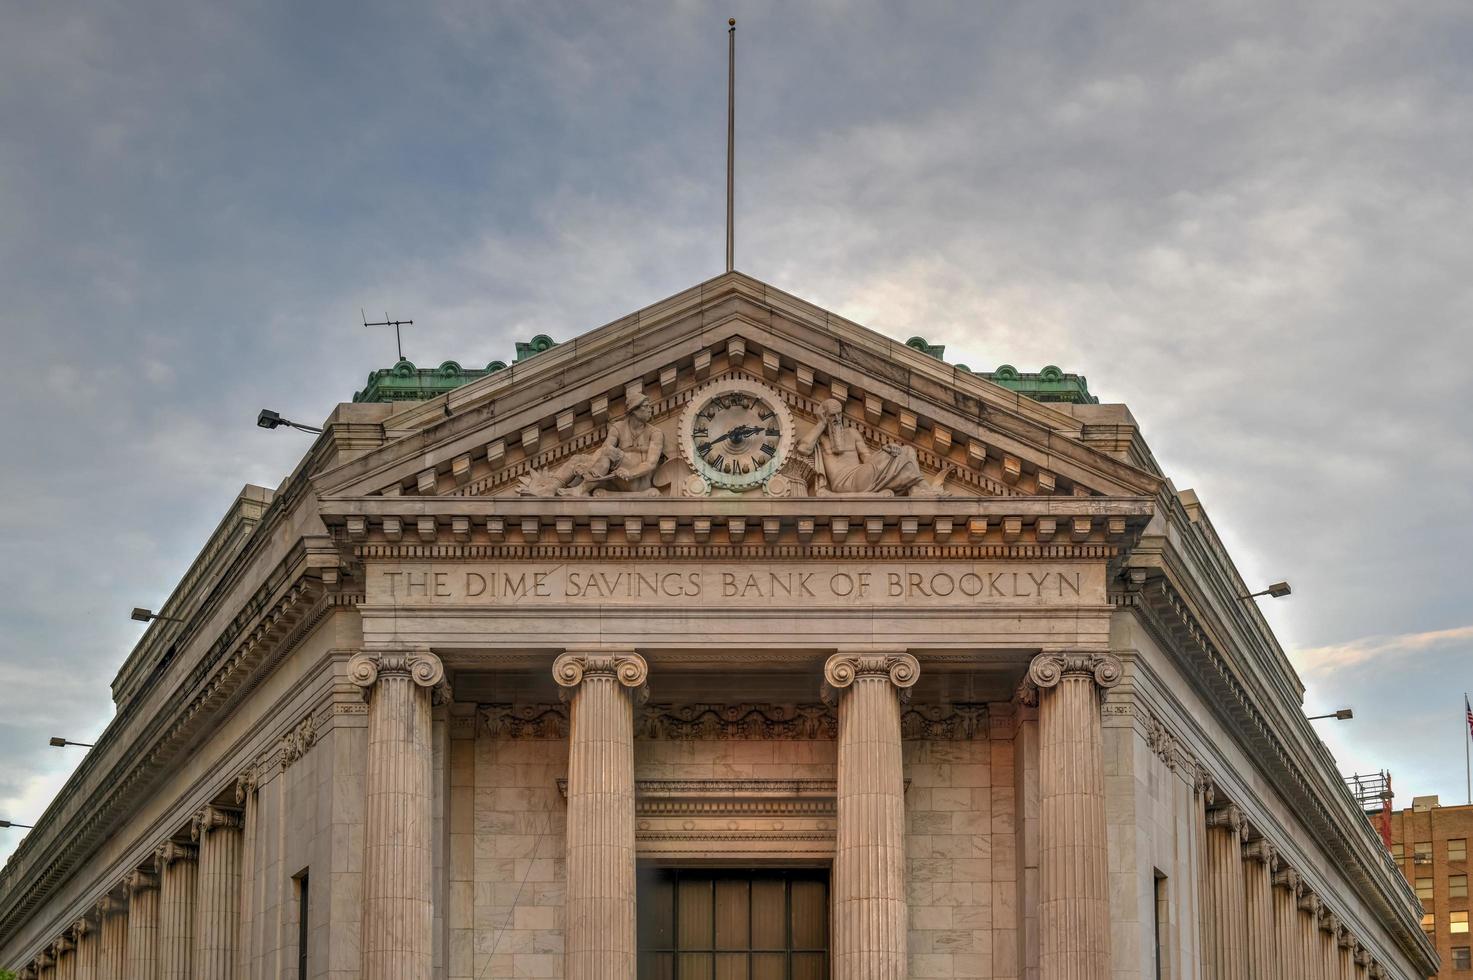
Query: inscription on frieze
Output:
(730,584)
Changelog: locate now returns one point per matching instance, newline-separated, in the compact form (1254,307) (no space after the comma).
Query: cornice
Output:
(1337,825)
(114,776)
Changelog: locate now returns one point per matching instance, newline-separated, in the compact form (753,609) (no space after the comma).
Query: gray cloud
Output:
(1249,221)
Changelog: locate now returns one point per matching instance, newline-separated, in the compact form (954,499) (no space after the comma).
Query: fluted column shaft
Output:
(1229,904)
(45,967)
(178,885)
(217,903)
(869,904)
(86,932)
(64,952)
(601,686)
(1203,795)
(1286,922)
(1329,946)
(1074,906)
(143,925)
(398,903)
(1347,955)
(112,952)
(1259,861)
(1309,934)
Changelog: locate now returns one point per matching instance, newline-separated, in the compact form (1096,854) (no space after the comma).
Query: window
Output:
(1461,958)
(1457,886)
(695,925)
(304,894)
(1429,922)
(1424,889)
(1422,852)
(1163,909)
(1457,850)
(1457,923)
(1398,852)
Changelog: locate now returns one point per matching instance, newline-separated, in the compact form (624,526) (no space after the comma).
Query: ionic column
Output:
(869,903)
(1225,825)
(245,798)
(63,951)
(1259,862)
(112,952)
(1204,793)
(45,966)
(1074,908)
(216,830)
(1329,948)
(1286,922)
(85,931)
(1362,962)
(178,866)
(397,940)
(1308,927)
(1346,942)
(601,686)
(142,889)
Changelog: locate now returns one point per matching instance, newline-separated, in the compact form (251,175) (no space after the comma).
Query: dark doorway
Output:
(733,925)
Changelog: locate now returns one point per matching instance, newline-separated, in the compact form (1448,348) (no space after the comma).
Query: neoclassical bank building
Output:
(730,640)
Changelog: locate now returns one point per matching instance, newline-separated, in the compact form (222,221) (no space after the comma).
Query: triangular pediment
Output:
(920,426)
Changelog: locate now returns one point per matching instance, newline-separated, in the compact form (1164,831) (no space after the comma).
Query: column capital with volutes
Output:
(1308,900)
(365,669)
(84,926)
(1261,851)
(62,944)
(1346,938)
(1228,816)
(847,666)
(1049,669)
(172,850)
(1329,921)
(1287,877)
(110,905)
(575,665)
(139,880)
(212,818)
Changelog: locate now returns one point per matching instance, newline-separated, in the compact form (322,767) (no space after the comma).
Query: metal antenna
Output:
(386,322)
(730,144)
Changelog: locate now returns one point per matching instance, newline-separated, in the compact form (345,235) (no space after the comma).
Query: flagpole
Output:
(730,144)
(1467,738)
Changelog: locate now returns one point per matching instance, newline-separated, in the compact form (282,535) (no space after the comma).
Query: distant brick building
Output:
(1430,845)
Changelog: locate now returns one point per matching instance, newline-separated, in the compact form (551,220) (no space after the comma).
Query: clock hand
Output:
(740,432)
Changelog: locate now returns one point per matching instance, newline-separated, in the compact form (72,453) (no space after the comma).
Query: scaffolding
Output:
(1373,793)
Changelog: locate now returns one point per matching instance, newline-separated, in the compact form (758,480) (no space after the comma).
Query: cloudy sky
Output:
(1251,221)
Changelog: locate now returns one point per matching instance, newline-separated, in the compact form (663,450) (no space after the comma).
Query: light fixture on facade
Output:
(1344,714)
(1277,591)
(58,742)
(272,420)
(147,615)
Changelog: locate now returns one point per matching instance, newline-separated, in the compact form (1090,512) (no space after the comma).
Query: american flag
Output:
(1468,713)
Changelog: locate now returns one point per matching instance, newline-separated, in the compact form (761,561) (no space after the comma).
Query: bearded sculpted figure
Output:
(849,465)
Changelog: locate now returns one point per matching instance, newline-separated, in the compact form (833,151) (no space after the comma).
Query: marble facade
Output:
(438,704)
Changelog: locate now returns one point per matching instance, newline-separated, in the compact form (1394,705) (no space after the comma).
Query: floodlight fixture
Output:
(10,823)
(1276,591)
(1343,714)
(146,615)
(272,420)
(58,742)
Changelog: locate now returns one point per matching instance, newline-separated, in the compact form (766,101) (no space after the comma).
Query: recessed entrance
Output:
(733,925)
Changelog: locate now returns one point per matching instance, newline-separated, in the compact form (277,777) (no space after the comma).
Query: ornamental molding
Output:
(523,721)
(295,744)
(960,721)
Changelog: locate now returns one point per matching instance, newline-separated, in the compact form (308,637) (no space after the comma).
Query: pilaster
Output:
(398,903)
(1074,911)
(600,685)
(869,904)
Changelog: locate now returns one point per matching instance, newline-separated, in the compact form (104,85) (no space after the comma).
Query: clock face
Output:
(736,433)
